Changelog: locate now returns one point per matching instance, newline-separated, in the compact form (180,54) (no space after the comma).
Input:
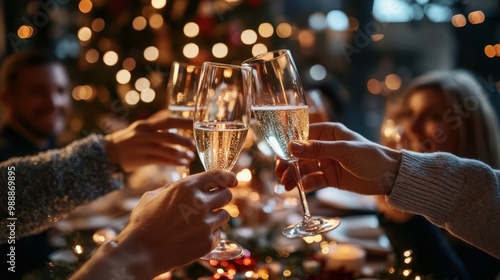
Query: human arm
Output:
(167,229)
(445,189)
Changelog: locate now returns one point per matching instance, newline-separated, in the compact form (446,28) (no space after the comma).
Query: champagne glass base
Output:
(225,250)
(311,227)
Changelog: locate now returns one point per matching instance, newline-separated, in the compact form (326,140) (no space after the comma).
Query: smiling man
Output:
(35,92)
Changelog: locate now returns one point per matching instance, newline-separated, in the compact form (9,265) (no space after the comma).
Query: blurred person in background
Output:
(35,92)
(445,111)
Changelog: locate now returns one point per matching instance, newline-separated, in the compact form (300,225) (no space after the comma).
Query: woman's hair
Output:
(470,112)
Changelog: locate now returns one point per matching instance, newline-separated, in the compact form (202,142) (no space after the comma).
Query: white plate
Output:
(346,200)
(363,231)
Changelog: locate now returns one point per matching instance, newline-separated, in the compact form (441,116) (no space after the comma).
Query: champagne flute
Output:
(181,92)
(221,123)
(279,104)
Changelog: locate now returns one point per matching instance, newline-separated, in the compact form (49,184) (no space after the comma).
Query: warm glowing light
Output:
(220,50)
(151,53)
(191,29)
(25,31)
(353,23)
(458,20)
(248,274)
(98,24)
(407,253)
(129,63)
(78,249)
(158,4)
(418,278)
(132,97)
(190,50)
(393,82)
(248,37)
(156,21)
(266,30)
(489,50)
(232,210)
(407,260)
(142,84)
(308,239)
(325,250)
(258,49)
(148,95)
(406,272)
(374,86)
(476,17)
(306,38)
(287,273)
(84,34)
(317,238)
(139,23)
(85,6)
(123,76)
(284,30)
(110,58)
(377,37)
(497,49)
(92,56)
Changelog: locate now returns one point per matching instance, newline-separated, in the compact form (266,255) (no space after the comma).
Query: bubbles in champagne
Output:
(219,144)
(281,124)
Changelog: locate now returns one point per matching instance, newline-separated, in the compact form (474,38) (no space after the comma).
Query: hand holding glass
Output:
(181,94)
(221,122)
(279,104)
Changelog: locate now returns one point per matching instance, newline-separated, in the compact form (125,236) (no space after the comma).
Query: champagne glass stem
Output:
(302,194)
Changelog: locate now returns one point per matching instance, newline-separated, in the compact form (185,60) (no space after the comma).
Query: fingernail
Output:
(298,147)
(190,154)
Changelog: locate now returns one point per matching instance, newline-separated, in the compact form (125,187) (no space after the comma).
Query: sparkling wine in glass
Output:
(221,123)
(280,107)
(181,94)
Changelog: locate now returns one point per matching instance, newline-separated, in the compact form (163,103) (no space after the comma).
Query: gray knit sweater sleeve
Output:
(460,195)
(48,186)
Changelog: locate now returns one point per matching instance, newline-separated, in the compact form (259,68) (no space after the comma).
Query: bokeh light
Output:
(132,97)
(148,95)
(25,31)
(98,24)
(139,23)
(266,30)
(92,56)
(156,21)
(123,76)
(191,50)
(284,30)
(85,6)
(110,58)
(191,29)
(458,20)
(476,17)
(129,63)
(220,50)
(84,34)
(158,4)
(142,84)
(258,49)
(248,37)
(151,53)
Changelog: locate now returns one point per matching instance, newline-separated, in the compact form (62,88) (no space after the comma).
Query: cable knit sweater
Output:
(48,186)
(458,194)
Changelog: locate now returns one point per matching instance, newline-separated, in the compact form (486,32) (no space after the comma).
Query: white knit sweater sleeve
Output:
(461,195)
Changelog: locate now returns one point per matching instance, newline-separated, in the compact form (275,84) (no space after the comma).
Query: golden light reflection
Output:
(84,34)
(110,58)
(287,273)
(306,38)
(220,50)
(497,49)
(151,53)
(374,86)
(284,30)
(489,51)
(377,37)
(248,37)
(191,29)
(266,30)
(123,76)
(142,84)
(258,49)
(132,97)
(148,95)
(476,17)
(158,4)
(78,249)
(85,6)
(353,23)
(25,31)
(139,23)
(458,20)
(393,82)
(98,24)
(129,63)
(190,50)
(156,21)
(244,175)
